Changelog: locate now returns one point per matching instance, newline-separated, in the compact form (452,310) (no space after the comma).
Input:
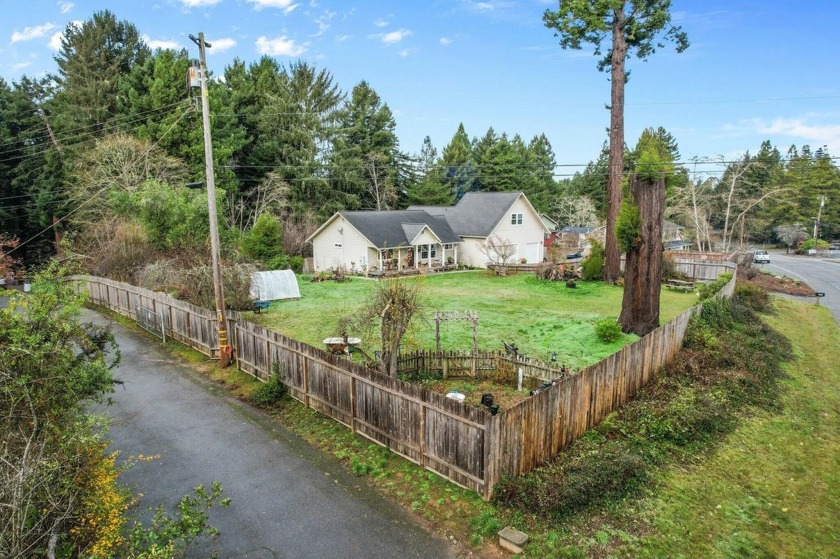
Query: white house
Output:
(429,236)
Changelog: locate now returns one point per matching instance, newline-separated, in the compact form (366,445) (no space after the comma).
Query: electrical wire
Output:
(100,191)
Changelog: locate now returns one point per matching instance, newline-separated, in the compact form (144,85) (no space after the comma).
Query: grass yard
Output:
(539,316)
(773,488)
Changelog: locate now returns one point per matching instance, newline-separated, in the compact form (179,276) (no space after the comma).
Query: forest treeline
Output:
(97,156)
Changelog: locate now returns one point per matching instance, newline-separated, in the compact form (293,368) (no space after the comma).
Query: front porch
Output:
(415,259)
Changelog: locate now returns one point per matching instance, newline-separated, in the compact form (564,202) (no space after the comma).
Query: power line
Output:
(112,123)
(100,191)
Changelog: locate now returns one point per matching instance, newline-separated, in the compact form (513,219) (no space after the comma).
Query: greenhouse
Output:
(274,285)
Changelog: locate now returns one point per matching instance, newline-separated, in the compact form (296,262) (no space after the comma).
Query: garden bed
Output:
(780,284)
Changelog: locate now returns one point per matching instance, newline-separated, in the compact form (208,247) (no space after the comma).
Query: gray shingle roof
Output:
(577,230)
(476,214)
(393,228)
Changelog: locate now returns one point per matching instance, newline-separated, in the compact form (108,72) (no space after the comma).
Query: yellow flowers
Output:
(99,530)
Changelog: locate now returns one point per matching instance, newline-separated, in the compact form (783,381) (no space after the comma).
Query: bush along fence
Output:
(466,445)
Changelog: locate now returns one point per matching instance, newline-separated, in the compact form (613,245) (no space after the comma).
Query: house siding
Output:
(353,250)
(469,253)
(530,231)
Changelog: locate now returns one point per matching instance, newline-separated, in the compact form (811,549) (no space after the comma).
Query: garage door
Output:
(532,252)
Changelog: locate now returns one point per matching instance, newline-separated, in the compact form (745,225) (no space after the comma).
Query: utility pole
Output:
(817,222)
(225,350)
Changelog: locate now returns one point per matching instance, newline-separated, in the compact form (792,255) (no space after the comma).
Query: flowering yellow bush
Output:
(99,529)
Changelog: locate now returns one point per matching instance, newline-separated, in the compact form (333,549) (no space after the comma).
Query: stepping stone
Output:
(513,540)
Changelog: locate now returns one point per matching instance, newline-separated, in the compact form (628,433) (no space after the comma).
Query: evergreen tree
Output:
(428,188)
(457,167)
(543,189)
(629,27)
(366,161)
(93,56)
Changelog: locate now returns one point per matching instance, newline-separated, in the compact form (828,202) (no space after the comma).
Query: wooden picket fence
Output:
(463,363)
(466,445)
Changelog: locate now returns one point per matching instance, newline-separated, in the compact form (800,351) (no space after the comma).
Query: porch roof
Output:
(399,228)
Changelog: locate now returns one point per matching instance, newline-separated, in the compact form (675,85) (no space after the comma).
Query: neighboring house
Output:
(672,237)
(429,235)
(578,237)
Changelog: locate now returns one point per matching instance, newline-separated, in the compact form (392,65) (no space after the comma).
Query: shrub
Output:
(752,297)
(271,391)
(708,290)
(262,242)
(593,267)
(669,268)
(594,473)
(608,330)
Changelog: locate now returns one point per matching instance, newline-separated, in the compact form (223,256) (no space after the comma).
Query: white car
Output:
(761,257)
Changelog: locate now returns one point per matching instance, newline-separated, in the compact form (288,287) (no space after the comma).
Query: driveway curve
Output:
(287,498)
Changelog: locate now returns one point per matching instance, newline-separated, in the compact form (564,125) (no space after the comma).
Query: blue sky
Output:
(755,70)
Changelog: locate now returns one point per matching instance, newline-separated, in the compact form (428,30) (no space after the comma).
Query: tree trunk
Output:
(643,270)
(612,254)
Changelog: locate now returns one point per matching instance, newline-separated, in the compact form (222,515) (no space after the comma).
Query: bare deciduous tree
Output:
(270,196)
(499,252)
(393,305)
(380,185)
(576,211)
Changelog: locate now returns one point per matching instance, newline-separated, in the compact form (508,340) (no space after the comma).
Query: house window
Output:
(516,219)
(448,246)
(424,251)
(337,245)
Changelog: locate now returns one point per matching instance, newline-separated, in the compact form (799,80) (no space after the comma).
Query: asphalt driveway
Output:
(288,499)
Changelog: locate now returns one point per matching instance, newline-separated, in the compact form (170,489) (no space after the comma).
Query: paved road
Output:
(821,274)
(288,499)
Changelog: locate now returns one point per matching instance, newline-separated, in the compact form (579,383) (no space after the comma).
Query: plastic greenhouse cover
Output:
(274,285)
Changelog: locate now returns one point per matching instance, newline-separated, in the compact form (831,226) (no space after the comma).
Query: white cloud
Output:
(67,6)
(395,37)
(281,46)
(20,66)
(802,127)
(381,22)
(342,38)
(30,33)
(221,45)
(285,5)
(445,41)
(55,41)
(199,3)
(161,43)
(811,128)
(406,52)
(323,22)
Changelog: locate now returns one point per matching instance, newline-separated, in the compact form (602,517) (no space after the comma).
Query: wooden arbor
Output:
(463,316)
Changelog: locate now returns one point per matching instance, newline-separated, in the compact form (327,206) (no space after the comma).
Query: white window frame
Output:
(516,218)
(424,251)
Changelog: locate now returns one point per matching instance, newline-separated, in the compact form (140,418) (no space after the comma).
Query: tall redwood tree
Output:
(636,27)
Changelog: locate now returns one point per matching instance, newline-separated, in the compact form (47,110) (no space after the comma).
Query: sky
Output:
(755,70)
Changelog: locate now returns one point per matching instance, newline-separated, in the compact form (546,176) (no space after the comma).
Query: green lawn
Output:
(539,316)
(773,489)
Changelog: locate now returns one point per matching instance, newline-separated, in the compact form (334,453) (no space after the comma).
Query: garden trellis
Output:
(463,316)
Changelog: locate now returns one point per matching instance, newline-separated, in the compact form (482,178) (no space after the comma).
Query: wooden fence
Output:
(463,444)
(463,363)
(536,429)
(439,434)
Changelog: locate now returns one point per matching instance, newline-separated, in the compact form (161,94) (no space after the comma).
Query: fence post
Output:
(306,381)
(353,404)
(423,436)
